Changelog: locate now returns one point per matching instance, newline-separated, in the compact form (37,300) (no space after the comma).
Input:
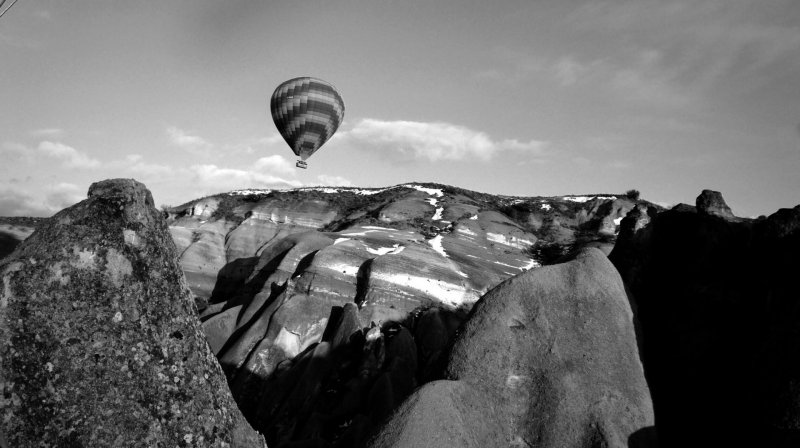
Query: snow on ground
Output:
(436,243)
(394,250)
(340,240)
(466,231)
(618,221)
(474,218)
(512,241)
(250,191)
(431,191)
(531,264)
(582,199)
(378,228)
(546,207)
(449,293)
(438,215)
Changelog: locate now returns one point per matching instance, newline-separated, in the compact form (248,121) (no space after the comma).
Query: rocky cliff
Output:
(99,339)
(719,308)
(258,259)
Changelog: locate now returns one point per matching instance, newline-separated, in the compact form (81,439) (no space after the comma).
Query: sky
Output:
(528,98)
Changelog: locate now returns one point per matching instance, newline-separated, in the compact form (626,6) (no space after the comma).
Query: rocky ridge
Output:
(717,303)
(255,258)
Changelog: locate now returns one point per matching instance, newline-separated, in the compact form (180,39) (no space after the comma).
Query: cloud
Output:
(63,195)
(214,178)
(16,152)
(333,181)
(276,164)
(53,198)
(48,132)
(432,141)
(15,202)
(71,157)
(191,143)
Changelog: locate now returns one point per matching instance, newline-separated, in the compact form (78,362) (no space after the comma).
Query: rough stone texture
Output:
(711,203)
(718,305)
(441,414)
(546,359)
(553,351)
(100,343)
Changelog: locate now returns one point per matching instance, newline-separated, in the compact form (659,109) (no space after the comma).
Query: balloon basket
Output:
(301,164)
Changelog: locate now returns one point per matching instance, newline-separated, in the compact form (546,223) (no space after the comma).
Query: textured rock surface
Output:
(100,343)
(547,359)
(710,202)
(270,265)
(718,305)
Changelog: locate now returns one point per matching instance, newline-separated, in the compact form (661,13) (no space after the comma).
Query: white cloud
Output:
(16,152)
(63,195)
(333,181)
(214,178)
(276,164)
(432,141)
(44,202)
(191,143)
(47,132)
(71,157)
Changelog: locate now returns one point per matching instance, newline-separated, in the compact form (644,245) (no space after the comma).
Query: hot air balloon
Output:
(306,111)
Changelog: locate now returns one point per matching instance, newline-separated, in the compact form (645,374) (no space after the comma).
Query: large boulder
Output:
(99,337)
(547,359)
(717,301)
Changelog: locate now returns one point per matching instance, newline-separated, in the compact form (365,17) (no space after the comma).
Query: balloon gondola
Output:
(307,111)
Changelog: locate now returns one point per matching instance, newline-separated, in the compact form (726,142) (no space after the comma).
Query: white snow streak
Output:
(394,250)
(431,191)
(436,243)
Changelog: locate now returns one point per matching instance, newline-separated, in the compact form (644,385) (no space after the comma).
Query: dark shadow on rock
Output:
(231,278)
(644,438)
(339,390)
(7,244)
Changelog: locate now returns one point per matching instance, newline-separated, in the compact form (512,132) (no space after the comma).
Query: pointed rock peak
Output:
(710,202)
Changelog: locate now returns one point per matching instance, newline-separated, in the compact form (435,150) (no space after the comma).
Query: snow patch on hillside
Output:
(436,244)
(431,191)
(512,241)
(445,292)
(582,199)
(394,250)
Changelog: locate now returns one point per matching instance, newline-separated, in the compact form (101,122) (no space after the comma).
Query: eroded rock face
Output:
(717,301)
(710,202)
(547,358)
(100,343)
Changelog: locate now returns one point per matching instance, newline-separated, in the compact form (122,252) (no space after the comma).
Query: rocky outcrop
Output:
(710,202)
(717,301)
(99,339)
(547,358)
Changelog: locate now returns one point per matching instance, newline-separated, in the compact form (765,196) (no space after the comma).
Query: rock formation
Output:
(718,305)
(268,266)
(548,359)
(99,339)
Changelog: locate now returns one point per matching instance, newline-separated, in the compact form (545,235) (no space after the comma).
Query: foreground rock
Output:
(718,304)
(100,344)
(547,359)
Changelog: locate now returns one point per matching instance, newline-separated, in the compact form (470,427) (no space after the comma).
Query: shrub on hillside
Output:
(633,195)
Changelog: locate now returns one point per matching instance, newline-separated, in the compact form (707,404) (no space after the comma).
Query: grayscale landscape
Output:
(399,225)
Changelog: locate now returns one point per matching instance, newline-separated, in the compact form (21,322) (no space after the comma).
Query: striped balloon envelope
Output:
(306,111)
